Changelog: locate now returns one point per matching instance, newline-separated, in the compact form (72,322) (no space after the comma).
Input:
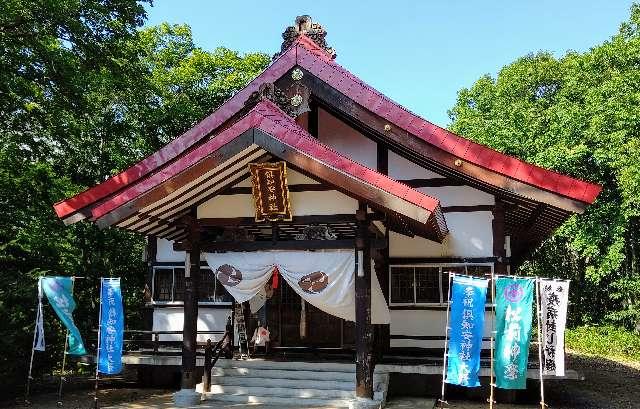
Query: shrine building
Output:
(349,209)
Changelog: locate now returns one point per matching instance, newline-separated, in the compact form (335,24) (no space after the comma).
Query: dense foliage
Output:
(84,92)
(604,341)
(580,115)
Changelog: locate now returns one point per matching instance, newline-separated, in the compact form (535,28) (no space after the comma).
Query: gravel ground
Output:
(607,385)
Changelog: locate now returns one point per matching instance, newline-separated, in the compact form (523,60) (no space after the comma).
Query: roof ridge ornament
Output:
(305,25)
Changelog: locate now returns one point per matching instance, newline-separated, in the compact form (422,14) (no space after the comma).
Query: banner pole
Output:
(64,361)
(33,344)
(493,333)
(66,346)
(95,396)
(446,342)
(539,313)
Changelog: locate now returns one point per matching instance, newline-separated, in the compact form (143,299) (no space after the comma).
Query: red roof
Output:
(268,118)
(308,55)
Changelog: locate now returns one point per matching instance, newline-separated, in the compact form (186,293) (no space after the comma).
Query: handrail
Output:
(208,352)
(209,363)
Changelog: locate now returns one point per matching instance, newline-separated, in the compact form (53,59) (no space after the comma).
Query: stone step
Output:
(286,365)
(277,401)
(298,384)
(284,392)
(288,374)
(291,383)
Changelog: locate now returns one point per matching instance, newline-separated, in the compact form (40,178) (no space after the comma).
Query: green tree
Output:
(84,93)
(580,115)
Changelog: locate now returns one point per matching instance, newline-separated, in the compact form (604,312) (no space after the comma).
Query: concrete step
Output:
(291,383)
(288,374)
(286,365)
(284,392)
(277,401)
(298,384)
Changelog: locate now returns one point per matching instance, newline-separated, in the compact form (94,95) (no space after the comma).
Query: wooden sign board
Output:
(270,191)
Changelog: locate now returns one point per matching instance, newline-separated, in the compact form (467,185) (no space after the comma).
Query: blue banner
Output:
(59,292)
(468,297)
(514,298)
(111,327)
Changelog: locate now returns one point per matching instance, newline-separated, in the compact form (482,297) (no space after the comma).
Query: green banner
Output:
(514,298)
(59,292)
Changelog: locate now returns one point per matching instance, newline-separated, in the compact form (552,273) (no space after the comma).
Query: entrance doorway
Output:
(283,318)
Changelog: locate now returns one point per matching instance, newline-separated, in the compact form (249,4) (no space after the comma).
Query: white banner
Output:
(324,279)
(554,299)
(38,342)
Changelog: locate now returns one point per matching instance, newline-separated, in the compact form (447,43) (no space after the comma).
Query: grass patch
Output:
(604,341)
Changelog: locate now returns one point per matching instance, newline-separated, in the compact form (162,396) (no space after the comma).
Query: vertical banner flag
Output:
(468,296)
(514,299)
(111,327)
(38,338)
(554,298)
(59,292)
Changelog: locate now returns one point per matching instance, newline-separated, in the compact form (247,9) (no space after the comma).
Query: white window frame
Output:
(441,266)
(173,286)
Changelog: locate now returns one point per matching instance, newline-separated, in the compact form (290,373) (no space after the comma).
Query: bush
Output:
(604,341)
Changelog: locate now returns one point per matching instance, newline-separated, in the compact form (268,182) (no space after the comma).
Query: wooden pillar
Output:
(498,227)
(189,328)
(364,330)
(381,269)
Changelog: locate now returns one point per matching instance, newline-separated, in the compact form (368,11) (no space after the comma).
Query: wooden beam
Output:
(432,182)
(442,260)
(382,159)
(279,245)
(498,229)
(248,221)
(467,209)
(313,120)
(302,187)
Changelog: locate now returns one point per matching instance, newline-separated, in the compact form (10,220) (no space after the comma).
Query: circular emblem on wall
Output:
(513,292)
(229,275)
(314,283)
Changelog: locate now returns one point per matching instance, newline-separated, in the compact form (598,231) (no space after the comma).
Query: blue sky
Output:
(419,53)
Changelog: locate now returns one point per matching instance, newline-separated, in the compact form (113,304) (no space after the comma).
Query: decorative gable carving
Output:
(305,25)
(294,100)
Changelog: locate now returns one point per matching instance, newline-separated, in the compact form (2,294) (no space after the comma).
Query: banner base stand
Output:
(185,398)
(364,403)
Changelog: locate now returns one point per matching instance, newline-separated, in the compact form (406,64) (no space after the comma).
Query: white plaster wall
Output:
(172,319)
(470,235)
(344,139)
(302,204)
(166,253)
(458,195)
(401,168)
(293,178)
(426,323)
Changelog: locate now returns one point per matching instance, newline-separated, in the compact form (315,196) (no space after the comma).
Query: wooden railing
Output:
(150,342)
(212,354)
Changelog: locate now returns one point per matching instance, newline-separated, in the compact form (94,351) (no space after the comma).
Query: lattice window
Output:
(178,289)
(427,284)
(402,285)
(162,283)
